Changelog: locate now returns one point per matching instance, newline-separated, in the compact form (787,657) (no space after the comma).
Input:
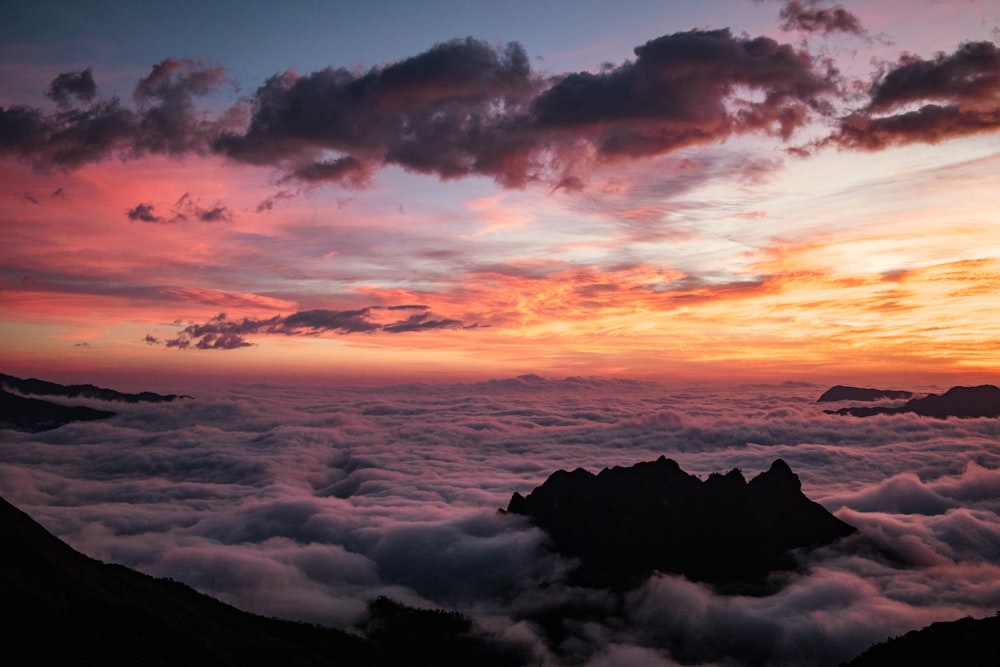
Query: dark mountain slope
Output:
(625,523)
(59,607)
(34,414)
(968,642)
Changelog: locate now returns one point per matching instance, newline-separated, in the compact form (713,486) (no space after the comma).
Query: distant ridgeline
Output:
(962,402)
(19,412)
(625,523)
(842,393)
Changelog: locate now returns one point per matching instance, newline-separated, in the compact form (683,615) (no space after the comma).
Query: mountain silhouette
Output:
(19,411)
(842,393)
(962,402)
(967,641)
(33,387)
(625,523)
(60,607)
(34,414)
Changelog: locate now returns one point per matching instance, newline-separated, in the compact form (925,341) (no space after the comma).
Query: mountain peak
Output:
(625,523)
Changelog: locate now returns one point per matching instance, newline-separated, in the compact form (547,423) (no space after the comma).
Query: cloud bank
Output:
(306,502)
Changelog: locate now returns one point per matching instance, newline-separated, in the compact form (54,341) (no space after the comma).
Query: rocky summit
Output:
(625,523)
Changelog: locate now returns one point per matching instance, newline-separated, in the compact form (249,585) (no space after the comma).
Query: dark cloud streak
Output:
(221,333)
(184,209)
(164,122)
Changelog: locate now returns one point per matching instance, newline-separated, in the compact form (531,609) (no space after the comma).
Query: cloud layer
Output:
(307,502)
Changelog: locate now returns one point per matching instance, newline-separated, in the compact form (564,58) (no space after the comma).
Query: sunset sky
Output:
(384,191)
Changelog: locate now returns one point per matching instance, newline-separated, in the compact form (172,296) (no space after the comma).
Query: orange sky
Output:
(721,257)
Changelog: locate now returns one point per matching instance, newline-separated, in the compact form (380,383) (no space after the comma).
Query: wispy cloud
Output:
(808,16)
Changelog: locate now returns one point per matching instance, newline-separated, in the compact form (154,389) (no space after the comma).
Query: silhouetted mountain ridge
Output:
(625,523)
(34,414)
(35,387)
(19,411)
(967,641)
(845,393)
(962,402)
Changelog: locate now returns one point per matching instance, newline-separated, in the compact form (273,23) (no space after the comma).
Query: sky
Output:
(447,191)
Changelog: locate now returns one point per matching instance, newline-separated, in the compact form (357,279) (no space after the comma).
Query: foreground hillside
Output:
(59,607)
(969,642)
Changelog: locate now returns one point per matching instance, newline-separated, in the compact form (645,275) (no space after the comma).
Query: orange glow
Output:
(607,246)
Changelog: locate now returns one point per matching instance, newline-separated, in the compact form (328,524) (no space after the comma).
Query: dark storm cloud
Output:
(950,95)
(169,123)
(970,76)
(68,139)
(69,85)
(443,111)
(806,16)
(676,92)
(465,107)
(165,120)
(220,333)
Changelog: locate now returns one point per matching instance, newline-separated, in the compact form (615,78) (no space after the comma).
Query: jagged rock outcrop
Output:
(962,402)
(843,393)
(625,523)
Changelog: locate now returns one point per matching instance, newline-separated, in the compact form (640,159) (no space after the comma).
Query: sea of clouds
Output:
(307,502)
